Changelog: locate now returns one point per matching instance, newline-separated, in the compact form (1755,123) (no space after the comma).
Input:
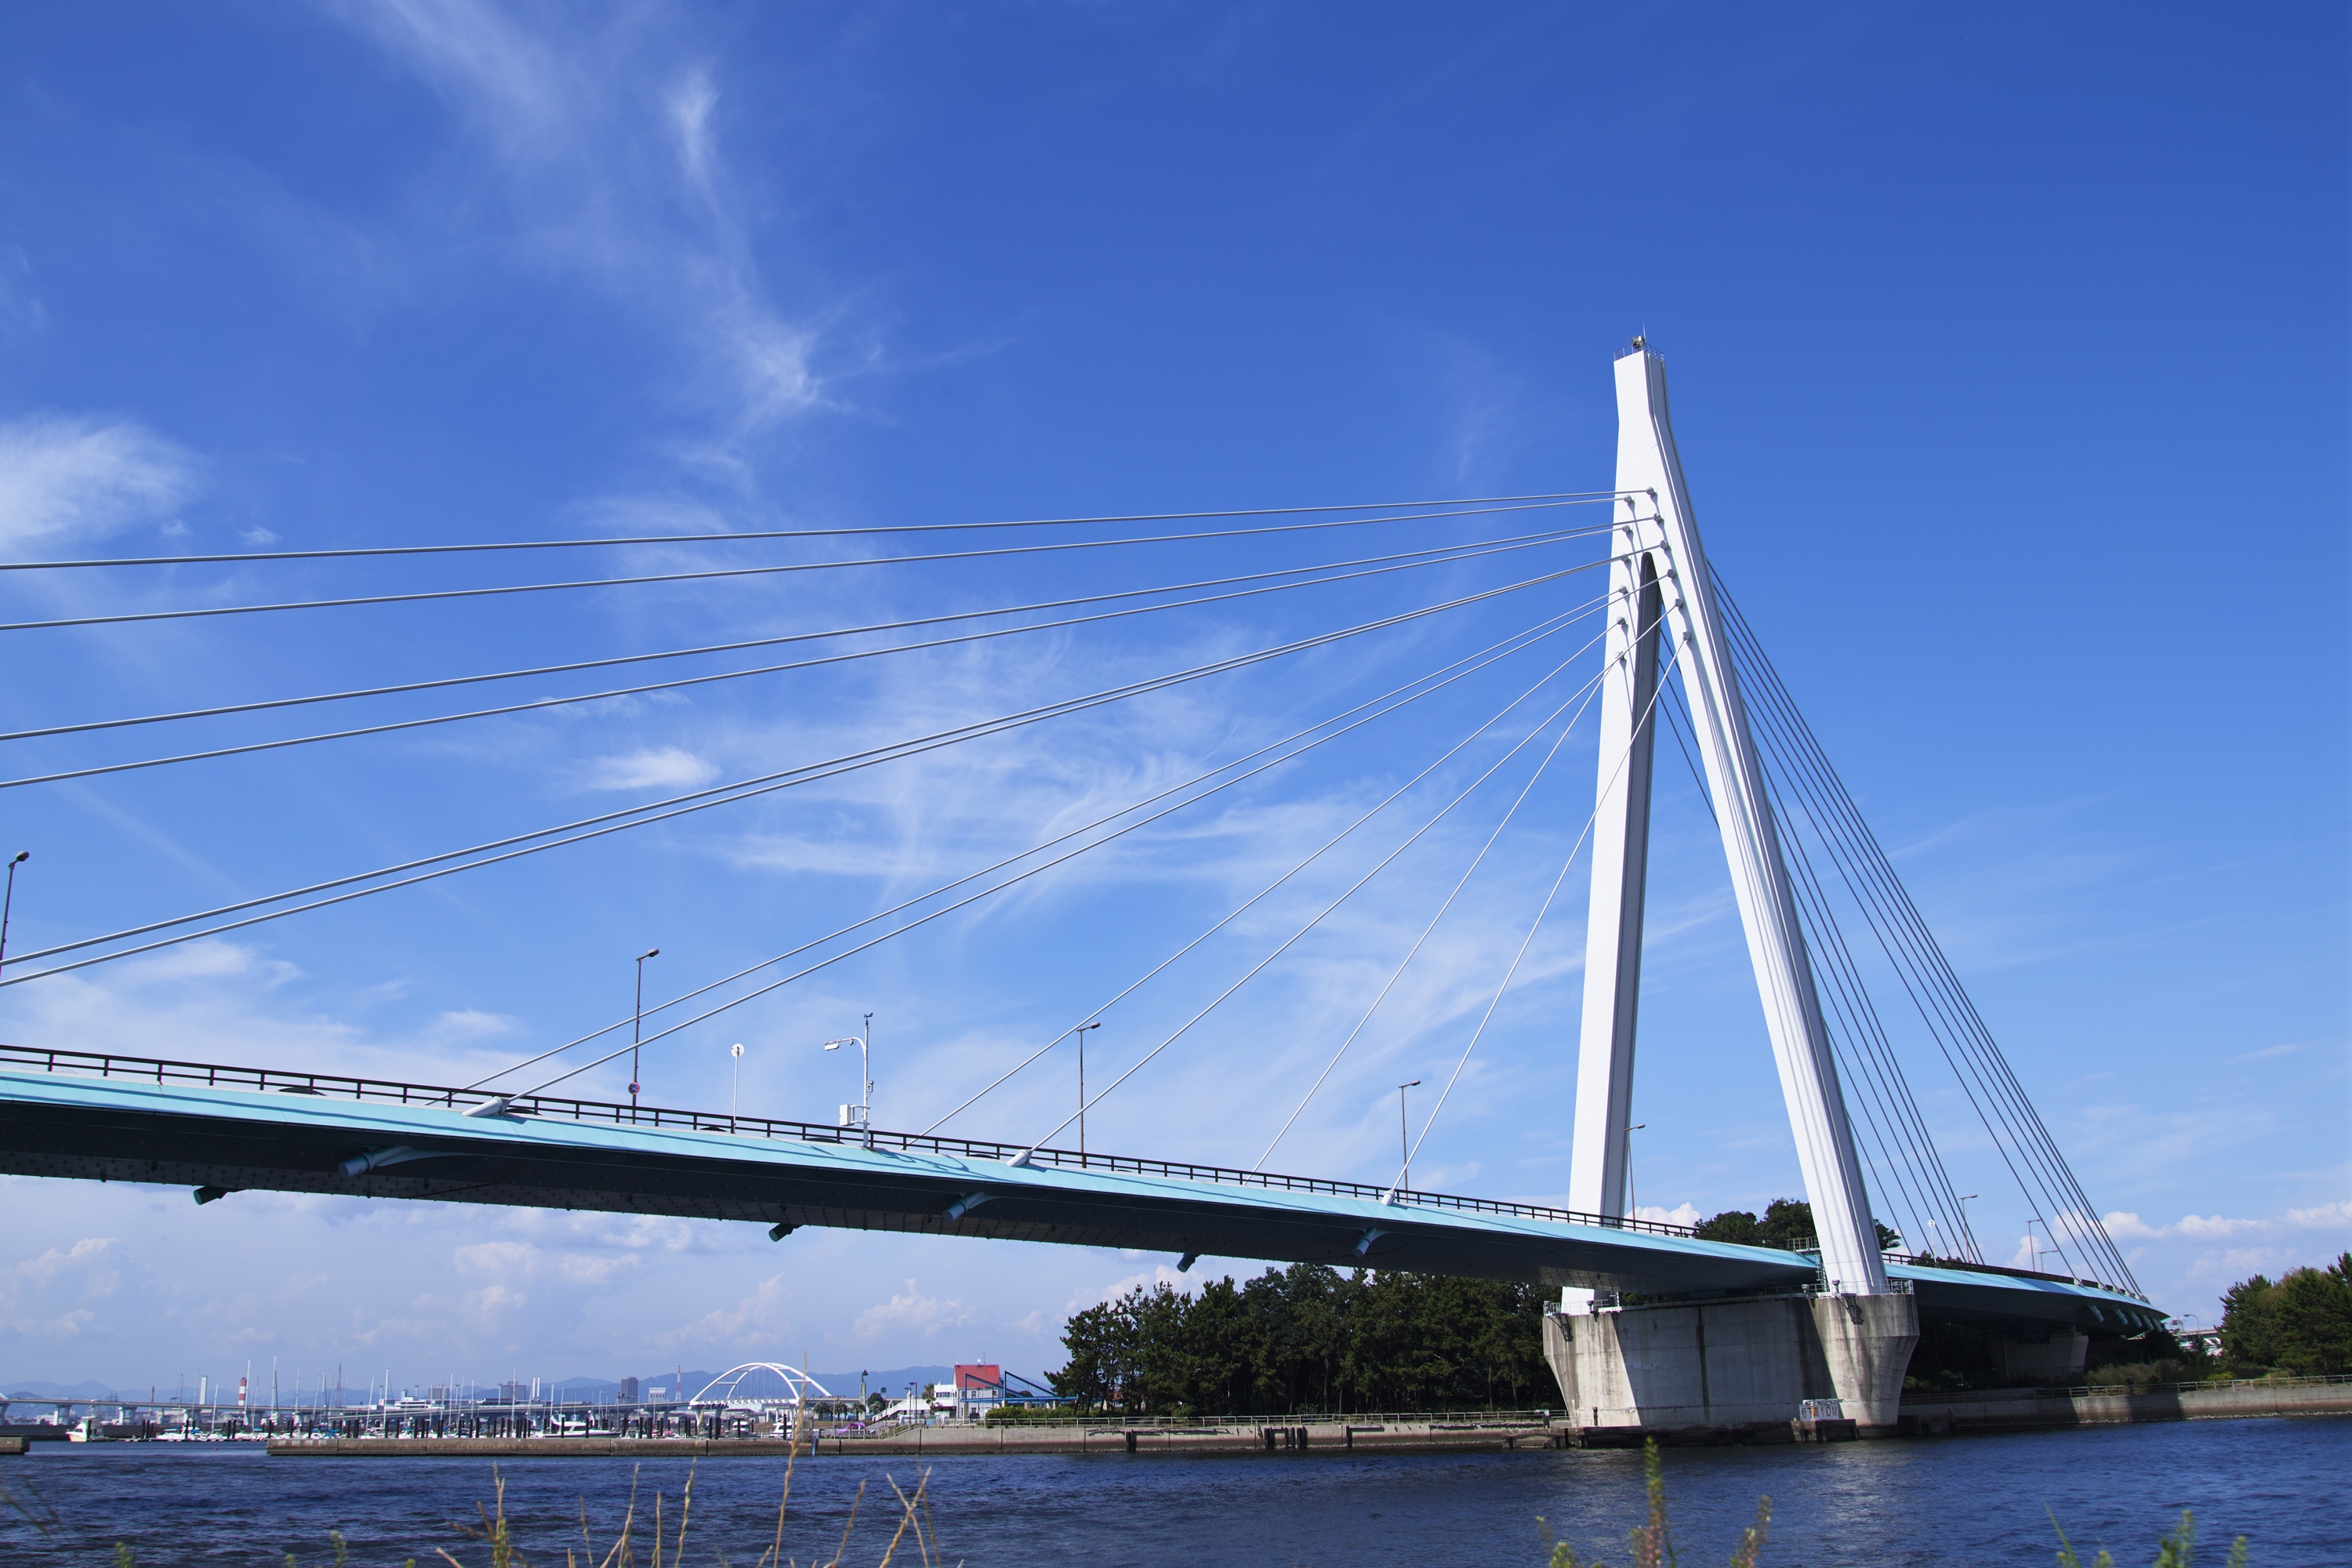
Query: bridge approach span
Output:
(224,1130)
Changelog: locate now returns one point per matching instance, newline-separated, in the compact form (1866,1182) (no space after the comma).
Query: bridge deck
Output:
(146,1122)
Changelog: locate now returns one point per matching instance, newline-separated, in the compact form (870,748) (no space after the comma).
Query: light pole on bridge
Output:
(637,1029)
(864,1042)
(1404,1139)
(8,899)
(1081,1033)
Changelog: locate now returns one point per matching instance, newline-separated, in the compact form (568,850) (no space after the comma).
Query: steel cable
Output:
(1938,994)
(1411,953)
(392,726)
(1404,510)
(575,666)
(438,593)
(720,794)
(1877,899)
(951,909)
(1300,934)
(1247,904)
(1528,941)
(1429,683)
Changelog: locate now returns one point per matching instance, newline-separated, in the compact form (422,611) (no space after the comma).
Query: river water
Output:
(2284,1484)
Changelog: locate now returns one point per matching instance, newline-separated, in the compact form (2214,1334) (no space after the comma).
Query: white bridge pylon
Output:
(798,1386)
(1659,585)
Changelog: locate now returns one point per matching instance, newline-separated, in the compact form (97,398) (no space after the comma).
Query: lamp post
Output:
(1968,1231)
(1081,1033)
(637,1028)
(1633,1197)
(1404,1139)
(9,899)
(735,1089)
(864,1122)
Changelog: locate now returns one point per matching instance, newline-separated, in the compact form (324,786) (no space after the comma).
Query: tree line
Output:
(1787,1222)
(2301,1324)
(1309,1339)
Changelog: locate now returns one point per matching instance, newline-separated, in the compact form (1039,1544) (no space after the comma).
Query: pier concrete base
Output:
(1735,1370)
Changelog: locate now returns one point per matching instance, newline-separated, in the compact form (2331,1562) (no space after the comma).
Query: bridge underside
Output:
(107,1130)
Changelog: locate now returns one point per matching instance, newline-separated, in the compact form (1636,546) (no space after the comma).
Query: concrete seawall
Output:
(1289,1435)
(1922,1416)
(2016,1408)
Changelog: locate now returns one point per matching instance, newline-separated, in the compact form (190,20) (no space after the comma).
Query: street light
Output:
(1633,1197)
(9,899)
(1081,1033)
(864,1108)
(637,1029)
(1404,1139)
(735,1051)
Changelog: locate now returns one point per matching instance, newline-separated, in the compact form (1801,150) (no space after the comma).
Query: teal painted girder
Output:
(61,1125)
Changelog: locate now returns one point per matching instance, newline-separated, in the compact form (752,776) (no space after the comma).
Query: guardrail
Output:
(1811,1247)
(2084,1390)
(392,1091)
(1297,1417)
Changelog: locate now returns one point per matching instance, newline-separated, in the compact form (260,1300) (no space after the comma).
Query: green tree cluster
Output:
(1309,1339)
(1787,1222)
(2301,1324)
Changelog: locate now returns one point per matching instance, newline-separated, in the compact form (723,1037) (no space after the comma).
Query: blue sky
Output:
(2000,343)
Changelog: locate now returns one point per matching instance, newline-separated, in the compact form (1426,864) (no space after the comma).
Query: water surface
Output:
(1972,1500)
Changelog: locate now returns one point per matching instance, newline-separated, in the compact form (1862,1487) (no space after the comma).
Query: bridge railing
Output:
(393,1091)
(1811,1247)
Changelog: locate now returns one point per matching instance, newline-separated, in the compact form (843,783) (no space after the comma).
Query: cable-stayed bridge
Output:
(1662,647)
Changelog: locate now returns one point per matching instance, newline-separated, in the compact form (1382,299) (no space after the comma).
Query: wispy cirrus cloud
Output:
(66,477)
(654,767)
(605,166)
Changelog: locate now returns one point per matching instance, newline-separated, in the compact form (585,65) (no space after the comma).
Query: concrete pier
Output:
(1737,1367)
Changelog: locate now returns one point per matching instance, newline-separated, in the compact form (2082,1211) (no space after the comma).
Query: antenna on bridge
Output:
(1660,576)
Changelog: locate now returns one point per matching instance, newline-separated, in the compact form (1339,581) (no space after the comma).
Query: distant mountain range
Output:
(890,1381)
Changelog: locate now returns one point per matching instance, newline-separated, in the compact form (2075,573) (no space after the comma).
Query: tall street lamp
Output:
(9,899)
(1081,1032)
(637,1029)
(1404,1139)
(735,1090)
(865,1106)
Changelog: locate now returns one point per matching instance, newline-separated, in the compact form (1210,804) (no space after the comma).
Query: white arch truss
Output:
(798,1385)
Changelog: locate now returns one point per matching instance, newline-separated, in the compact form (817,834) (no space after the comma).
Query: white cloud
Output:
(470,1024)
(1685,1214)
(2337,1216)
(912,1313)
(753,1329)
(657,767)
(68,478)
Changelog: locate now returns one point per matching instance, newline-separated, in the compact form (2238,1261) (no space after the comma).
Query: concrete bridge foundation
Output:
(1739,1368)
